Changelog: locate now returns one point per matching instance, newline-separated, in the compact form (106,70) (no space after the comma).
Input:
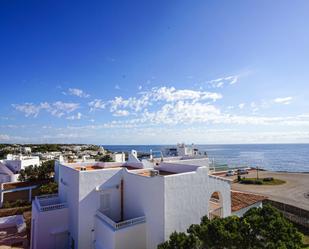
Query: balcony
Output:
(122,224)
(110,234)
(46,203)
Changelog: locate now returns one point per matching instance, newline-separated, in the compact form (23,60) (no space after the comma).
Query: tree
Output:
(33,173)
(106,158)
(258,228)
(49,188)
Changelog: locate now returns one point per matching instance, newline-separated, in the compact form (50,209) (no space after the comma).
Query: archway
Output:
(215,206)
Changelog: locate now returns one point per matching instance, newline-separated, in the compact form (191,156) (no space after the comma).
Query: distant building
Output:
(119,157)
(19,162)
(26,150)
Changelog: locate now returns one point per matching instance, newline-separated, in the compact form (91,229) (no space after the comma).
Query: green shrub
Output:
(251,181)
(16,204)
(49,188)
(268,179)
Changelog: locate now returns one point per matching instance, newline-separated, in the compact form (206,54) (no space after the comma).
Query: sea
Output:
(273,157)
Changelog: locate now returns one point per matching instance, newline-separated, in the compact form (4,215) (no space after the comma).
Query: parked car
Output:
(230,173)
(242,171)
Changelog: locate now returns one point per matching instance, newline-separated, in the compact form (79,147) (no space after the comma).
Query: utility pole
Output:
(257,172)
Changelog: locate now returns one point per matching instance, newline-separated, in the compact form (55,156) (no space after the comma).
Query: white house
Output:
(18,162)
(119,157)
(125,205)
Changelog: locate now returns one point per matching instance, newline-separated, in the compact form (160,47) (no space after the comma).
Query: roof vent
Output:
(154,173)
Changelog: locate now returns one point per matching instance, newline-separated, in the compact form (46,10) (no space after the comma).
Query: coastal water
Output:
(275,157)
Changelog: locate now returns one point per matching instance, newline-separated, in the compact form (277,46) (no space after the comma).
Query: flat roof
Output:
(97,167)
(160,172)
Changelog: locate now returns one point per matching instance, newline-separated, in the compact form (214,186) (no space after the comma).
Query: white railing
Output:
(130,222)
(49,202)
(221,178)
(122,224)
(41,197)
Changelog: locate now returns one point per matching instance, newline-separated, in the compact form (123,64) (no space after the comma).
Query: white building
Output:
(18,162)
(27,150)
(125,205)
(119,157)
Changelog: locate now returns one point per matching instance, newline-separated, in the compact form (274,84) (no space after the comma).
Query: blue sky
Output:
(154,72)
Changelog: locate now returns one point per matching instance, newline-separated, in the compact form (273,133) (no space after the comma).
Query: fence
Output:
(295,214)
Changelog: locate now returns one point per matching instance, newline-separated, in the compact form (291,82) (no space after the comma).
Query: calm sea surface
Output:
(276,157)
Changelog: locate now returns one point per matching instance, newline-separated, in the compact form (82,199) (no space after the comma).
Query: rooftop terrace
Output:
(100,166)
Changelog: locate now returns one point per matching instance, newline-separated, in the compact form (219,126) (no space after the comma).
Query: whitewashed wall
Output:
(68,192)
(46,226)
(89,200)
(144,196)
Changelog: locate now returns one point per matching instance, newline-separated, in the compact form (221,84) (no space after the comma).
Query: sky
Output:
(154,72)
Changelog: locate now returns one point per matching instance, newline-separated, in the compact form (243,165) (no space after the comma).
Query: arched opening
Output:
(215,206)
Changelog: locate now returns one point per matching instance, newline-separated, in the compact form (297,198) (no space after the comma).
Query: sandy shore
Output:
(293,192)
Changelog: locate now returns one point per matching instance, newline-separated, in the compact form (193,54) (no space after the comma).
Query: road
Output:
(294,192)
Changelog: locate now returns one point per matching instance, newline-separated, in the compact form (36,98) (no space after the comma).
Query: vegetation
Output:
(16,204)
(106,158)
(264,181)
(91,147)
(258,228)
(35,173)
(45,147)
(49,188)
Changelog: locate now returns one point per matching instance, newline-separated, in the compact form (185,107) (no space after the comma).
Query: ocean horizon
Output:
(273,157)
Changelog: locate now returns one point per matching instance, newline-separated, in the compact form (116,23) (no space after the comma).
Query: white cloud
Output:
(171,94)
(284,100)
(220,82)
(57,109)
(117,87)
(96,104)
(4,137)
(121,113)
(133,103)
(156,96)
(232,79)
(78,92)
(241,105)
(28,109)
(78,116)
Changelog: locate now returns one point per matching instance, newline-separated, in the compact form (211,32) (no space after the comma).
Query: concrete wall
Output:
(129,237)
(105,236)
(176,168)
(185,200)
(69,192)
(46,228)
(144,196)
(223,186)
(242,211)
(89,200)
